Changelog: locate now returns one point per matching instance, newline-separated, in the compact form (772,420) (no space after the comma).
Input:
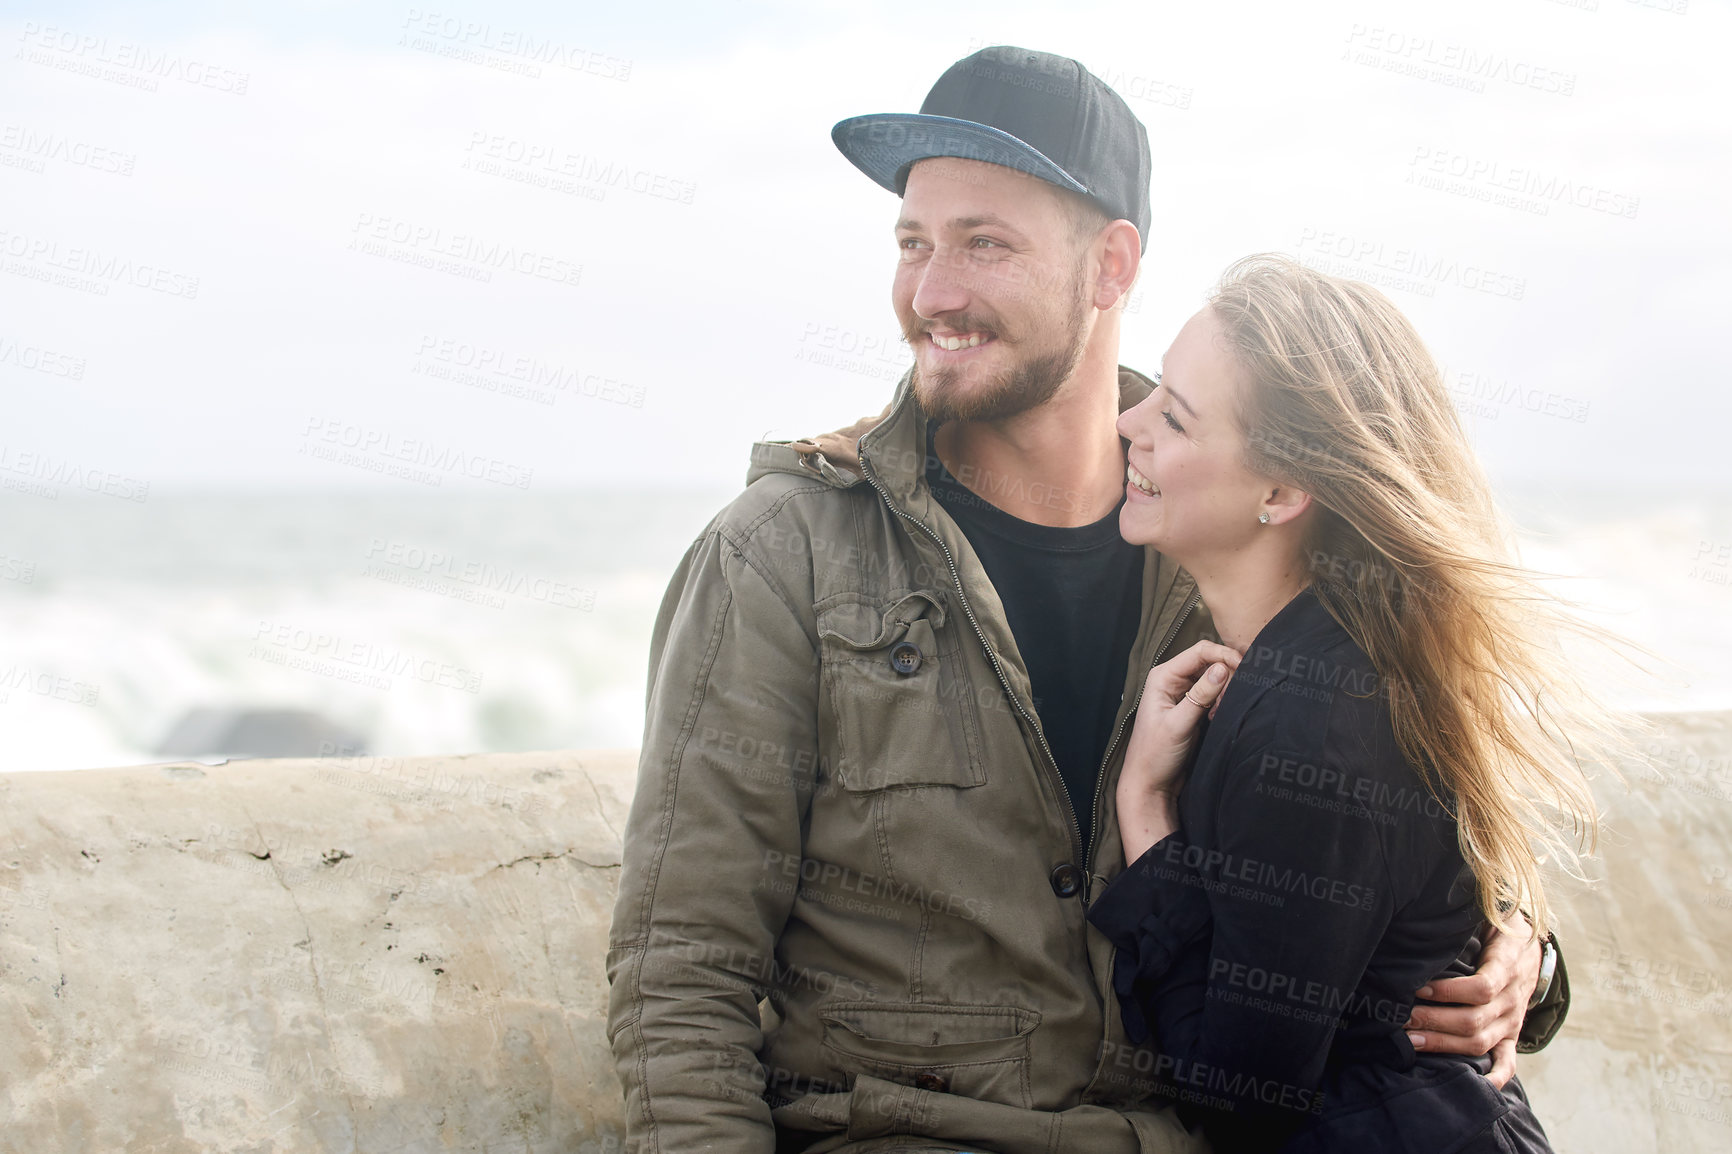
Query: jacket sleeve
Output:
(724,777)
(1295,912)
(1542,1023)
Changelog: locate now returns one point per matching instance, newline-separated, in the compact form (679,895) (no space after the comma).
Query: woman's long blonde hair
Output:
(1408,552)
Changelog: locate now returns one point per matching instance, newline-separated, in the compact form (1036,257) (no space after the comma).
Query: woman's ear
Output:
(1284,503)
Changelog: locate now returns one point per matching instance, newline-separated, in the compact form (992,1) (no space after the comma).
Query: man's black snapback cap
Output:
(1034,112)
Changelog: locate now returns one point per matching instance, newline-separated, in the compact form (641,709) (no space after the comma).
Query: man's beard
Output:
(1023,387)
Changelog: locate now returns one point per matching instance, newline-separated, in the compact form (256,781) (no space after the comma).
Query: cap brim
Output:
(883,146)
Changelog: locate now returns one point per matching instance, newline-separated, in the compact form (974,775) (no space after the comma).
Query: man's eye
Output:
(984,242)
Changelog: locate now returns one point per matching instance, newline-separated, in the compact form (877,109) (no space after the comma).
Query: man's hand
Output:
(1490,1004)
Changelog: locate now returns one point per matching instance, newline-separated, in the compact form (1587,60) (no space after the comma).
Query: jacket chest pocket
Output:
(901,703)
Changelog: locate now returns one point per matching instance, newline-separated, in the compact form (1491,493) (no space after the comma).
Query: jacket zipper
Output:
(1113,745)
(962,598)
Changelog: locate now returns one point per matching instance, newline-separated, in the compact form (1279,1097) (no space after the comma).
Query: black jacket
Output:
(1272,945)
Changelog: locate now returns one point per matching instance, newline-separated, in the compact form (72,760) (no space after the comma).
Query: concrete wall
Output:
(386,954)
(268,956)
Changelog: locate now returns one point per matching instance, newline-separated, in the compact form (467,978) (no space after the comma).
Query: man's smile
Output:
(956,342)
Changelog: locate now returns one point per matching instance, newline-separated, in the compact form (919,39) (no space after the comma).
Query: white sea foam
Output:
(457,624)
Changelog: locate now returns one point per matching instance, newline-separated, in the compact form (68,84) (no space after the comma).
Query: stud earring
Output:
(1263,517)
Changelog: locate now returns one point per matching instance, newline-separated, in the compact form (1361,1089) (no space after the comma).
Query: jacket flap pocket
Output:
(903,712)
(978,1052)
(925,1032)
(864,625)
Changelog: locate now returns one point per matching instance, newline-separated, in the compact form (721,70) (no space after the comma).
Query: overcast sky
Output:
(229,239)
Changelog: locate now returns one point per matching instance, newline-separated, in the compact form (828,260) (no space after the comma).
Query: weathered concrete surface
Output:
(417,965)
(1644,1064)
(367,955)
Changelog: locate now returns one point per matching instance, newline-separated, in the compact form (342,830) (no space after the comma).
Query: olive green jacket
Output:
(846,808)
(850,904)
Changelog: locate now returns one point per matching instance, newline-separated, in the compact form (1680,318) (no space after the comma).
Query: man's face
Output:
(991,289)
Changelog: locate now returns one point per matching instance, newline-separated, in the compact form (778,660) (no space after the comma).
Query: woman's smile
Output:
(1139,486)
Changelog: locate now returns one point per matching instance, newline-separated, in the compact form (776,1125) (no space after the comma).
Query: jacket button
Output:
(1067,881)
(937,1083)
(905,657)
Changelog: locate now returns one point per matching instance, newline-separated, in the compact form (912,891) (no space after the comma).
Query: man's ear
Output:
(1118,256)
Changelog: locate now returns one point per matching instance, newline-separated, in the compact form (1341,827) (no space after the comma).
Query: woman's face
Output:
(1187,490)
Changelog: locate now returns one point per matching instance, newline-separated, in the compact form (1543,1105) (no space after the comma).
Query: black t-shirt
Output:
(1073,598)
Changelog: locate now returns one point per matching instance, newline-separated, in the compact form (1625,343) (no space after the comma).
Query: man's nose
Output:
(942,288)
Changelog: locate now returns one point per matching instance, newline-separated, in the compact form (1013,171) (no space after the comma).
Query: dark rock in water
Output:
(238,733)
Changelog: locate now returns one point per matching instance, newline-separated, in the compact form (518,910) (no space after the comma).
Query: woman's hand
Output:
(1176,696)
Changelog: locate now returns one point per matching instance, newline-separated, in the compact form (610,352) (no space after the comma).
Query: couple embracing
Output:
(1068,759)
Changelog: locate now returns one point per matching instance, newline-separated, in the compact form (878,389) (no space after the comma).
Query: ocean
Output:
(468,623)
